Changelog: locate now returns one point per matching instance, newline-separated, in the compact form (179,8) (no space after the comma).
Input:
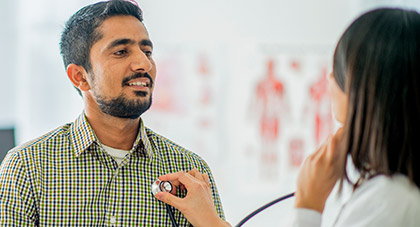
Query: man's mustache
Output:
(135,76)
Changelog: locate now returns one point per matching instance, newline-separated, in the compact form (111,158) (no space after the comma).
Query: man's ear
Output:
(77,75)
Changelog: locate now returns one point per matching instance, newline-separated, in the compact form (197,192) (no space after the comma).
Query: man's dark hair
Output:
(80,32)
(377,64)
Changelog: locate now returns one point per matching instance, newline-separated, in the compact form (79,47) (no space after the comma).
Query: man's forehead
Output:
(119,27)
(119,30)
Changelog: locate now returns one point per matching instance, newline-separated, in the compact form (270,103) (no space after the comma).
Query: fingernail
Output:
(159,195)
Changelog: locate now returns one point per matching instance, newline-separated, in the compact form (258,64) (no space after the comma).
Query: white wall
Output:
(8,63)
(236,36)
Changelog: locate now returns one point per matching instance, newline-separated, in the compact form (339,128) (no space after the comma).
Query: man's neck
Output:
(112,131)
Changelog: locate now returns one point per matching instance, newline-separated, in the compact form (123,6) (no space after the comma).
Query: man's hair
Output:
(80,32)
(377,64)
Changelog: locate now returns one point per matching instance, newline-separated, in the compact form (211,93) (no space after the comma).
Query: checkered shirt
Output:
(65,178)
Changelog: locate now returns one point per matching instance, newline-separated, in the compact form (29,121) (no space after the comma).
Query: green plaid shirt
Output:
(65,178)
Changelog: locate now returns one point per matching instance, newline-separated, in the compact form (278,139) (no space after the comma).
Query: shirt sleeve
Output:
(306,218)
(17,203)
(216,196)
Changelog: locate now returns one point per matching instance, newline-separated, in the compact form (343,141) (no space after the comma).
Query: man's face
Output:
(123,71)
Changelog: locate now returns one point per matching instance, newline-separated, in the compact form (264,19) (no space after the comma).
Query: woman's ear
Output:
(77,75)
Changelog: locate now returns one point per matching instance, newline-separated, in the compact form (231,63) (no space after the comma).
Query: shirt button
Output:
(113,220)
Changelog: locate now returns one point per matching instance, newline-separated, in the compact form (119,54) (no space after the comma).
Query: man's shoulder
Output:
(44,141)
(164,143)
(167,147)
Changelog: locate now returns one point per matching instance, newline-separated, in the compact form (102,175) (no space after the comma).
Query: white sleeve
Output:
(306,218)
(382,201)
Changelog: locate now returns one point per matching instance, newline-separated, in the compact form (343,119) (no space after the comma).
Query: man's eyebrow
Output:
(118,42)
(146,42)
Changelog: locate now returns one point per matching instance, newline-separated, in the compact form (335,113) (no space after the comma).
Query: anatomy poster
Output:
(269,109)
(285,117)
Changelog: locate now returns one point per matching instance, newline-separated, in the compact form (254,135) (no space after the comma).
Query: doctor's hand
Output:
(197,206)
(319,174)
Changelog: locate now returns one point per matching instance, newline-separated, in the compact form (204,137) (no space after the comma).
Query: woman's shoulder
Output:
(396,189)
(383,201)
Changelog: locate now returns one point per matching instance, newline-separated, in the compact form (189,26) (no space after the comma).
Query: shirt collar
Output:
(83,136)
(143,139)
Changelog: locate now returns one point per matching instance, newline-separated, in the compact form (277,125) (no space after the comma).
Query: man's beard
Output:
(121,107)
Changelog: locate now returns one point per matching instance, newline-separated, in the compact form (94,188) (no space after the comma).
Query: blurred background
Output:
(240,82)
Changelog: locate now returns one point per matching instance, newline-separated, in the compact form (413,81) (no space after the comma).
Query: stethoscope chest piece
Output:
(161,186)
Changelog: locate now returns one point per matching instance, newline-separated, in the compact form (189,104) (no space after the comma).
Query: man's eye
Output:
(148,53)
(120,52)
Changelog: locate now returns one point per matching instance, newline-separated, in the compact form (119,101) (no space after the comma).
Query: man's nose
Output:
(140,62)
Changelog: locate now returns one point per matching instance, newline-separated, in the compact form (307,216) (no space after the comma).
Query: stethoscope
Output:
(166,186)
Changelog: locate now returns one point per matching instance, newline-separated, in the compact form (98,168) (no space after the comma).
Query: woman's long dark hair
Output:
(377,64)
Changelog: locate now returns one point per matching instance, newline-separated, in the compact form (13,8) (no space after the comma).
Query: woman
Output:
(375,91)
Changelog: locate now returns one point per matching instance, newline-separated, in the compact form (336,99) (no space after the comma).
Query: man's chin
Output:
(129,117)
(141,93)
(124,107)
(126,114)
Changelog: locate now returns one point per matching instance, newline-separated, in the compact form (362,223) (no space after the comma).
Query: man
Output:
(98,170)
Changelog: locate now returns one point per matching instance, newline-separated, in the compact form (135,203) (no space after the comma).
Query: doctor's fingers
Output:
(337,143)
(199,176)
(329,151)
(174,181)
(332,140)
(203,180)
(181,178)
(206,179)
(319,154)
(334,155)
(170,199)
